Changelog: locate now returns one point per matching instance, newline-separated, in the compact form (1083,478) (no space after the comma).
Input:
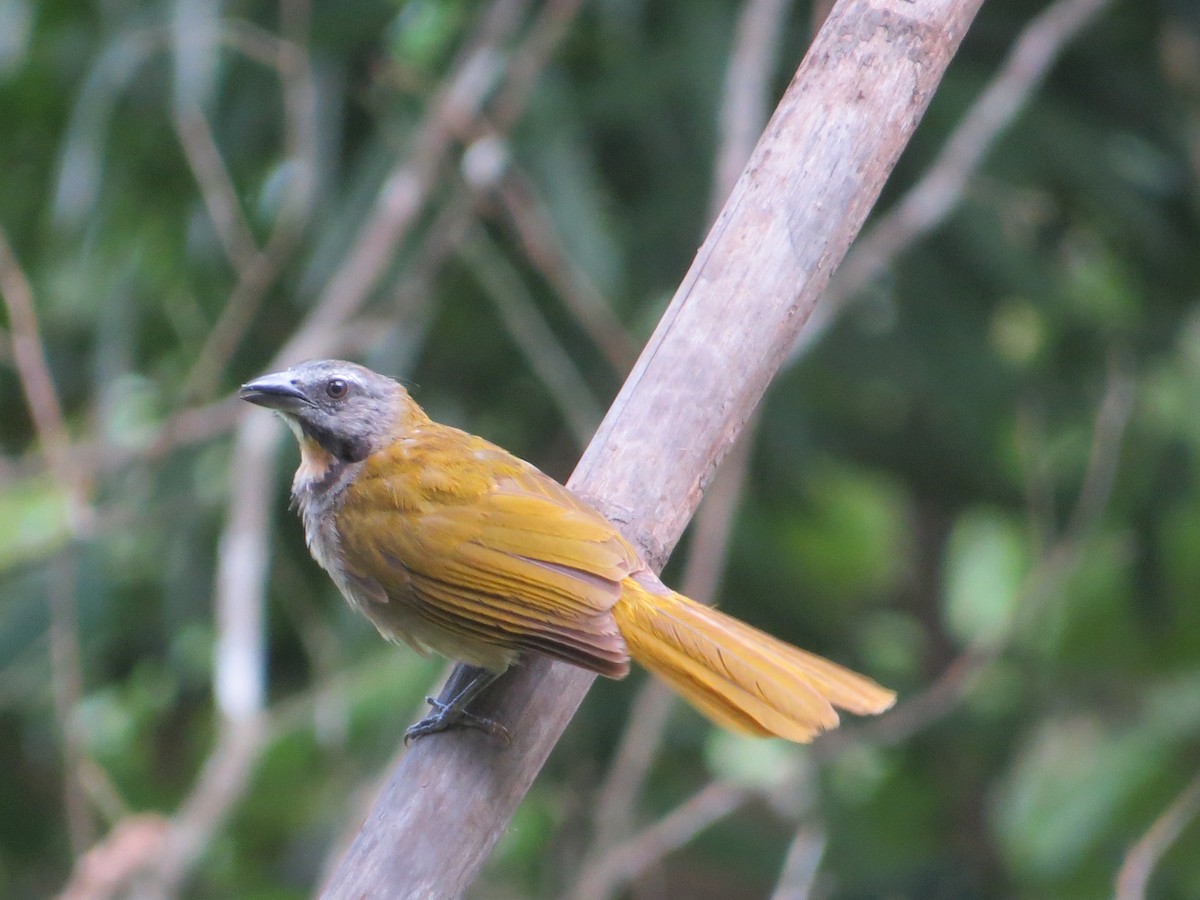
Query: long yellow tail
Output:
(741,678)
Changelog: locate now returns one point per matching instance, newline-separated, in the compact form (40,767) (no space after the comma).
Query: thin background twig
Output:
(941,188)
(257,268)
(547,357)
(1143,857)
(41,397)
(242,561)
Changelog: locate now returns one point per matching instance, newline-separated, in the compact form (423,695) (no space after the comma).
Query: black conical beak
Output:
(277,391)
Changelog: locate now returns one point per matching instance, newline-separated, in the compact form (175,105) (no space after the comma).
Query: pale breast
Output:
(318,503)
(318,493)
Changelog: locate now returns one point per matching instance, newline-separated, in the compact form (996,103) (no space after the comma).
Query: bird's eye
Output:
(336,388)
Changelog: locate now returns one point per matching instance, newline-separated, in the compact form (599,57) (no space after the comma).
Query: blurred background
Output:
(977,480)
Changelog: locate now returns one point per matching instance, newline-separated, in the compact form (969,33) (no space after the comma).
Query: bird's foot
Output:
(448,716)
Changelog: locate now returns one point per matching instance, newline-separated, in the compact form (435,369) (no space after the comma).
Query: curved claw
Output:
(448,716)
(453,713)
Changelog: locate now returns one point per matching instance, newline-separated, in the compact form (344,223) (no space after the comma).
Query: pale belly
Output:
(395,619)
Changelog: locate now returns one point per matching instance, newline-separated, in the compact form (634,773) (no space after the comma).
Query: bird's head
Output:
(344,408)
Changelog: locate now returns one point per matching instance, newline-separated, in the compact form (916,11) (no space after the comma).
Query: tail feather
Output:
(741,678)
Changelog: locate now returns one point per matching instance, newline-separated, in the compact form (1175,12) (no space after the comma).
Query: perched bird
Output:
(449,543)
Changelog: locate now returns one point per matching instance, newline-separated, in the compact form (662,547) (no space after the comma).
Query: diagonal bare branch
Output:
(814,175)
(940,189)
(744,110)
(640,850)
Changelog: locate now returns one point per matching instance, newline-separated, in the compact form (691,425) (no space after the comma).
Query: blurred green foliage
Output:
(928,481)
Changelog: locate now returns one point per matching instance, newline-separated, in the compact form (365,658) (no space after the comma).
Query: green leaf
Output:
(856,538)
(751,762)
(1073,777)
(34,520)
(986,562)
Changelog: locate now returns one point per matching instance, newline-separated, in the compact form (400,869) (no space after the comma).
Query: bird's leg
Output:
(453,713)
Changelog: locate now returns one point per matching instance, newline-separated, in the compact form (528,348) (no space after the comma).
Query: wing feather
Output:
(496,553)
